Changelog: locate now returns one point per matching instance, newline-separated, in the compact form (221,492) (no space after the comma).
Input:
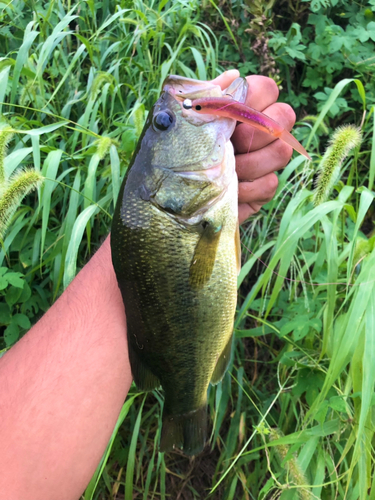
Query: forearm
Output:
(62,388)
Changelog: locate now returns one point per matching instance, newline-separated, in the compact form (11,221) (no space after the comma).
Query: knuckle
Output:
(284,115)
(256,207)
(288,114)
(284,152)
(274,89)
(268,85)
(270,185)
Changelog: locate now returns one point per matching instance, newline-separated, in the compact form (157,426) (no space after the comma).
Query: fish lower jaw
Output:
(225,169)
(210,173)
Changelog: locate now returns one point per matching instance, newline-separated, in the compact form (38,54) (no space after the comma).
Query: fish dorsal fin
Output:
(204,256)
(237,246)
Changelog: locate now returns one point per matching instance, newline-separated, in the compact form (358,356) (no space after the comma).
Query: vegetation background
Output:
(294,416)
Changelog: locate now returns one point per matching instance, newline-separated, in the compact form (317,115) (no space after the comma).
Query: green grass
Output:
(294,416)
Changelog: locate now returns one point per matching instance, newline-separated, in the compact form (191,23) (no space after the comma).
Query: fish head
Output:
(187,89)
(190,159)
(189,142)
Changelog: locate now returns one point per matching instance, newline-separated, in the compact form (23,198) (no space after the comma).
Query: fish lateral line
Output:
(229,108)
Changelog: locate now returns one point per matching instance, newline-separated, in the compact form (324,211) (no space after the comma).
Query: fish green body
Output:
(175,250)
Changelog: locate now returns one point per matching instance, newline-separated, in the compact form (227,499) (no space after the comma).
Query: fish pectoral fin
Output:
(222,363)
(204,256)
(237,245)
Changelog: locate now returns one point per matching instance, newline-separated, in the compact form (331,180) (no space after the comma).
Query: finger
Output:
(245,211)
(253,195)
(263,92)
(226,78)
(246,138)
(258,163)
(259,192)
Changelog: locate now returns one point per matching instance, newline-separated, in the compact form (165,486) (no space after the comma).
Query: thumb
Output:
(226,78)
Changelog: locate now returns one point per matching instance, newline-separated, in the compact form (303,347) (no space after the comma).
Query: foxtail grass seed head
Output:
(296,474)
(103,145)
(101,78)
(19,186)
(6,134)
(343,141)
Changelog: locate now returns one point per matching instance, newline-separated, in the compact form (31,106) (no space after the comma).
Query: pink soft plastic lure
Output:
(229,108)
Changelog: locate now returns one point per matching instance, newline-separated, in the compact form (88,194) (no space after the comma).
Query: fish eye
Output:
(163,120)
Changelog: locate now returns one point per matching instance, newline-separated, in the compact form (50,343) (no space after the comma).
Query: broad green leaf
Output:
(5,314)
(75,241)
(115,170)
(13,160)
(201,68)
(56,36)
(12,296)
(4,75)
(366,199)
(21,320)
(43,130)
(372,157)
(50,167)
(90,183)
(22,56)
(368,372)
(36,152)
(308,452)
(15,279)
(332,264)
(11,334)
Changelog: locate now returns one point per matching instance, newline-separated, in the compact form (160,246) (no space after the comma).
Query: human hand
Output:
(257,154)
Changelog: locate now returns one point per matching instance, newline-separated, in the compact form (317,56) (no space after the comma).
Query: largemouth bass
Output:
(176,252)
(176,248)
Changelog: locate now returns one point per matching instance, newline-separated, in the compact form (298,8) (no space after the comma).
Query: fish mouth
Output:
(182,88)
(187,88)
(212,173)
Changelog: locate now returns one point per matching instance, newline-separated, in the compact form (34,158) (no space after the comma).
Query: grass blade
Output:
(75,241)
(131,456)
(4,75)
(50,168)
(13,160)
(372,157)
(22,56)
(115,170)
(330,101)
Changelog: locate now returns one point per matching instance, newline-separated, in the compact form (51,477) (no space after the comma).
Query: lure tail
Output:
(229,108)
(187,431)
(288,138)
